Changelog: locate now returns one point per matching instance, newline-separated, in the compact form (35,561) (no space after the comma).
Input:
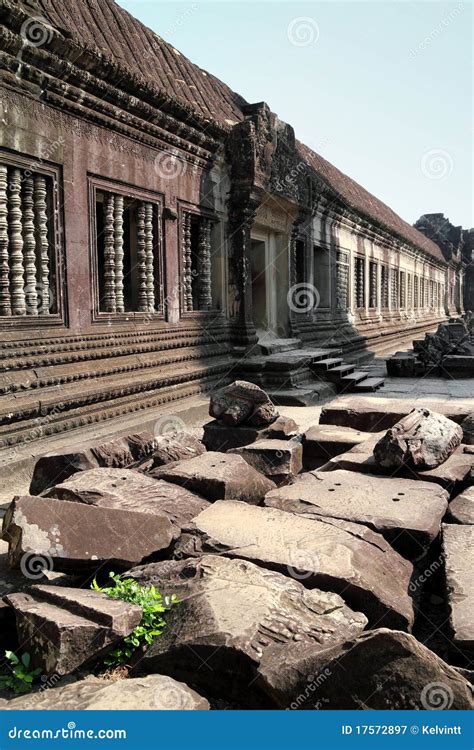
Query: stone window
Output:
(384,284)
(402,289)
(359,282)
(342,281)
(372,284)
(394,288)
(415,291)
(196,262)
(409,291)
(432,294)
(127,243)
(28,240)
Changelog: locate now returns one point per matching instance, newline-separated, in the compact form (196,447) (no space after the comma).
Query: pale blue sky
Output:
(383,90)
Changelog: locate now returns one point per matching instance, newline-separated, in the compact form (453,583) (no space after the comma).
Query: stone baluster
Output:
(204,254)
(29,247)
(109,254)
(118,248)
(187,264)
(141,259)
(150,273)
(5,303)
(16,245)
(373,285)
(42,245)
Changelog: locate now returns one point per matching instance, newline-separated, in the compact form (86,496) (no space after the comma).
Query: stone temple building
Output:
(155,228)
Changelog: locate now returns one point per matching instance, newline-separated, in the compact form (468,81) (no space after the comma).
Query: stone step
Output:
(280,345)
(302,396)
(369,384)
(336,373)
(327,364)
(353,377)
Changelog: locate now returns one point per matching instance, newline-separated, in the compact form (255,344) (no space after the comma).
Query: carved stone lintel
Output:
(150,274)
(5,302)
(118,243)
(109,254)
(29,247)
(42,245)
(16,245)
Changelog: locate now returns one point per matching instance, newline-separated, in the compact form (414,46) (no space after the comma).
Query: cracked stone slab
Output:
(461,509)
(324,441)
(407,512)
(218,476)
(62,628)
(230,612)
(124,489)
(279,460)
(328,553)
(458,547)
(75,536)
(154,692)
(376,670)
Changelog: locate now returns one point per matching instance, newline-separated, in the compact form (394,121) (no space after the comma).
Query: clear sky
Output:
(383,90)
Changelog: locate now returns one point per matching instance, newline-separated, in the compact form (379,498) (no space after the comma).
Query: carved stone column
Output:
(5,302)
(42,245)
(118,244)
(141,259)
(29,247)
(150,274)
(241,217)
(187,264)
(109,254)
(16,245)
(204,269)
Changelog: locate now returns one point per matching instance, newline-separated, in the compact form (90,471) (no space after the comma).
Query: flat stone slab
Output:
(231,611)
(277,459)
(218,476)
(330,554)
(378,670)
(124,489)
(458,546)
(461,509)
(119,453)
(221,437)
(374,414)
(326,441)
(155,692)
(74,536)
(62,628)
(408,513)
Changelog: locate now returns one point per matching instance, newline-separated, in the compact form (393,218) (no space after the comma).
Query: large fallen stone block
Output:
(279,460)
(230,613)
(468,429)
(374,413)
(378,670)
(242,402)
(421,441)
(222,437)
(176,447)
(330,554)
(120,453)
(458,547)
(408,513)
(124,489)
(218,476)
(461,509)
(74,536)
(154,692)
(323,441)
(62,628)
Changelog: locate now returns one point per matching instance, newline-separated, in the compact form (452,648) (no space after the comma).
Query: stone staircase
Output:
(294,375)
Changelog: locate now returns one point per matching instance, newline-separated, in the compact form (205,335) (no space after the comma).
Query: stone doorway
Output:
(262,288)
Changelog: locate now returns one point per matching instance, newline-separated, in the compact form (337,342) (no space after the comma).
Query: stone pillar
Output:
(109,254)
(16,245)
(241,218)
(42,244)
(118,248)
(187,277)
(141,259)
(5,301)
(150,272)
(204,269)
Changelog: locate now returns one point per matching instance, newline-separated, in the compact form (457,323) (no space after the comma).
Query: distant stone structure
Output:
(153,224)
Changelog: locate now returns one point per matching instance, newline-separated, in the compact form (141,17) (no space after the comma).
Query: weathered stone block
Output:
(468,429)
(321,441)
(277,459)
(327,553)
(176,447)
(242,402)
(461,509)
(221,437)
(458,547)
(73,536)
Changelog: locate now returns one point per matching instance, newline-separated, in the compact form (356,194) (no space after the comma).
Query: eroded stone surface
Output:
(73,536)
(379,669)
(468,429)
(222,437)
(323,441)
(218,476)
(124,489)
(458,545)
(407,512)
(61,628)
(231,611)
(277,459)
(461,509)
(329,553)
(176,447)
(242,402)
(151,693)
(421,441)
